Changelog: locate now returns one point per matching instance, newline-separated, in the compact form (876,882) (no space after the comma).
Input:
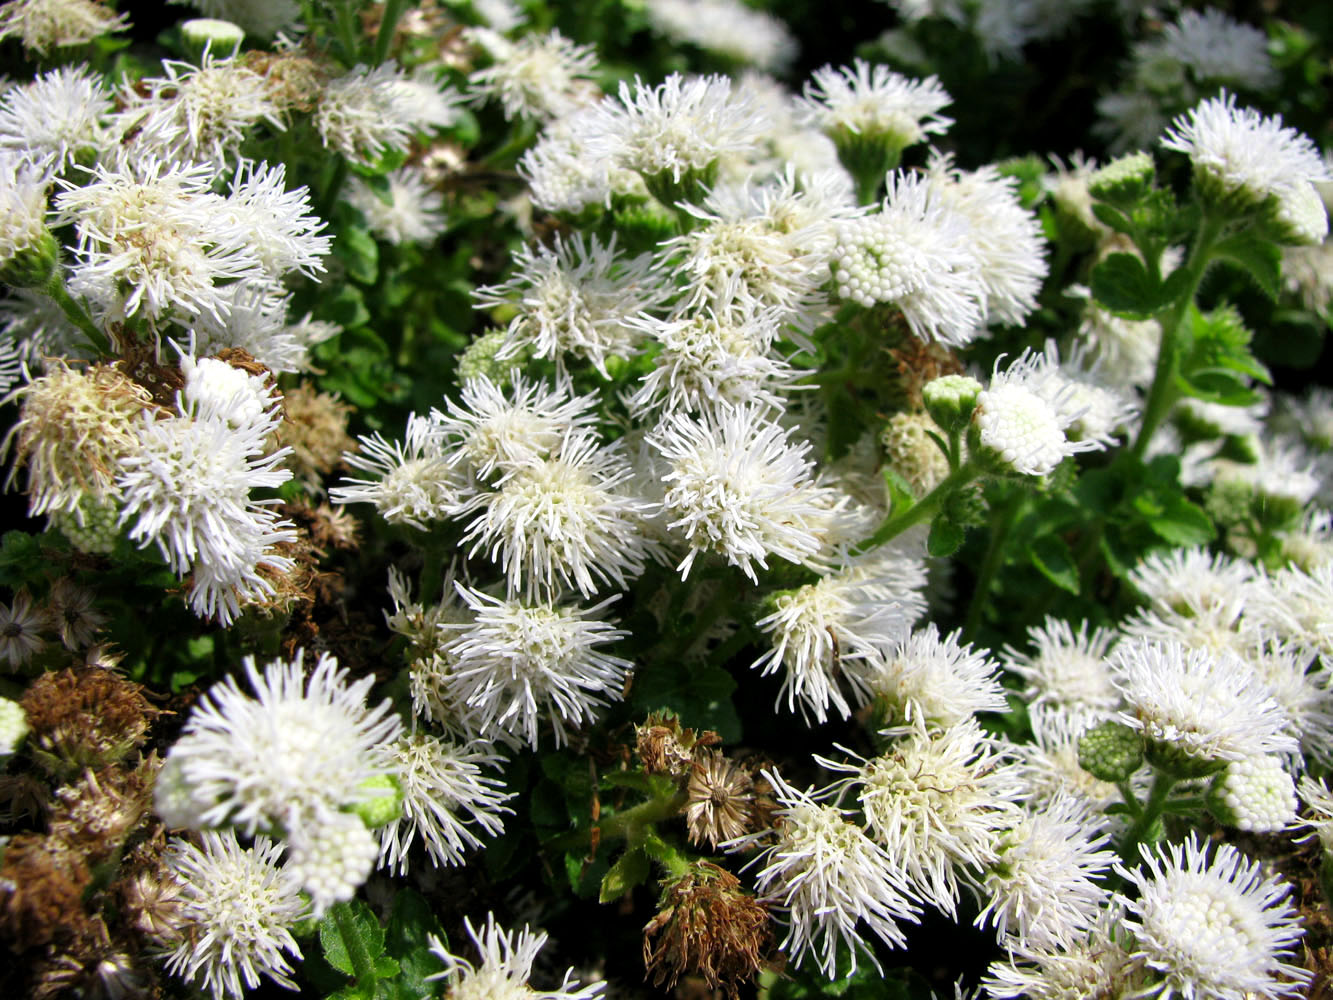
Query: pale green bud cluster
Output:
(1110,751)
(1123,180)
(479,359)
(97,534)
(950,400)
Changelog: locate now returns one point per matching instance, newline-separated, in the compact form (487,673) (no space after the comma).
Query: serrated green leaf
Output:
(369,935)
(357,249)
(346,307)
(1113,218)
(1259,258)
(1051,555)
(1181,522)
(946,537)
(412,922)
(630,869)
(901,497)
(1122,284)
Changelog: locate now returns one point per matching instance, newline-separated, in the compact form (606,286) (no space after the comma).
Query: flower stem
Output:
(77,315)
(393,10)
(1163,394)
(1006,515)
(928,506)
(1150,812)
(363,966)
(622,824)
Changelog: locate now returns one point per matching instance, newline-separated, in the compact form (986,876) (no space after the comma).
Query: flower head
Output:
(42,25)
(873,102)
(539,76)
(504,966)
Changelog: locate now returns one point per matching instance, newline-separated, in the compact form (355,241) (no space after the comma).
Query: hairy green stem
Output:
(363,966)
(77,315)
(348,31)
(624,824)
(928,506)
(1150,812)
(1006,515)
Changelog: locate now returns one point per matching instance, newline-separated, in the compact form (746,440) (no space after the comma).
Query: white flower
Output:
(369,112)
(504,967)
(539,76)
(564,169)
(56,116)
(292,755)
(1101,410)
(738,487)
(1125,350)
(1044,892)
(447,799)
(414,483)
(874,102)
(1216,48)
(13,727)
(42,25)
(937,802)
(577,297)
(1095,965)
(279,225)
(1207,707)
(564,520)
(1256,795)
(332,858)
(727,28)
(413,212)
(238,906)
(1006,237)
(917,254)
(829,876)
(1191,581)
(1212,924)
(517,665)
(680,127)
(1065,668)
(197,114)
(941,680)
(1239,154)
(23,188)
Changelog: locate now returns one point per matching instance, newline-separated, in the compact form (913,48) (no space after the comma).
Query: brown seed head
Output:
(85,718)
(721,796)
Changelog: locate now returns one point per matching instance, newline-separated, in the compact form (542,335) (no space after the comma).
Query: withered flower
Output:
(41,892)
(84,718)
(708,926)
(95,814)
(721,797)
(666,747)
(72,611)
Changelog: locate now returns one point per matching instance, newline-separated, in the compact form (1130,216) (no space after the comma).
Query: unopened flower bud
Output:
(1256,795)
(383,802)
(1110,751)
(220,39)
(950,400)
(1123,181)
(479,359)
(32,265)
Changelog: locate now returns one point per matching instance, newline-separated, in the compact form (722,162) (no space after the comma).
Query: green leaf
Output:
(21,560)
(1217,363)
(1180,522)
(901,497)
(946,537)
(411,925)
(357,249)
(1259,258)
(628,871)
(1112,218)
(1122,284)
(346,307)
(369,936)
(1051,555)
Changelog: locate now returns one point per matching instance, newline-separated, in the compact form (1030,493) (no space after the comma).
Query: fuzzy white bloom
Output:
(506,961)
(917,254)
(237,905)
(1125,350)
(517,665)
(291,756)
(1043,892)
(42,25)
(727,28)
(332,858)
(13,727)
(1318,801)
(197,114)
(447,799)
(828,876)
(1211,923)
(577,297)
(23,188)
(1240,155)
(737,486)
(874,103)
(1100,409)
(369,112)
(1095,965)
(941,680)
(279,224)
(1213,47)
(679,128)
(412,213)
(254,318)
(1191,581)
(938,802)
(565,169)
(54,118)
(563,520)
(539,76)
(1206,707)
(412,480)
(1065,667)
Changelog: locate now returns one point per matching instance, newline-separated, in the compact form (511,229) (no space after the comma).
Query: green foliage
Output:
(383,964)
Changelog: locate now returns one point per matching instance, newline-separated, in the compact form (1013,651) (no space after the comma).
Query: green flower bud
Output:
(384,801)
(1111,751)
(1125,180)
(479,358)
(32,266)
(950,400)
(221,39)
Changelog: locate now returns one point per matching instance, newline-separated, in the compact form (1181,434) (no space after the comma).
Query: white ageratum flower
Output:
(918,254)
(1022,416)
(874,103)
(538,76)
(565,169)
(504,965)
(42,25)
(367,113)
(237,906)
(1191,581)
(447,799)
(938,802)
(409,210)
(564,520)
(51,120)
(832,632)
(1208,707)
(1125,350)
(517,665)
(1095,965)
(23,231)
(1257,795)
(577,297)
(289,757)
(1066,668)
(1044,890)
(1006,237)
(279,224)
(495,430)
(939,679)
(1211,923)
(332,858)
(1215,48)
(197,114)
(828,877)
(678,129)
(726,28)
(1100,409)
(412,482)
(1243,157)
(737,486)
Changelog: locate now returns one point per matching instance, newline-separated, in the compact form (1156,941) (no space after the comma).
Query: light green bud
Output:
(1123,180)
(383,802)
(221,39)
(950,400)
(1110,751)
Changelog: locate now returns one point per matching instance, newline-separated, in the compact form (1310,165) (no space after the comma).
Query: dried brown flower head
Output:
(96,814)
(707,925)
(721,796)
(84,718)
(72,611)
(41,892)
(314,426)
(666,747)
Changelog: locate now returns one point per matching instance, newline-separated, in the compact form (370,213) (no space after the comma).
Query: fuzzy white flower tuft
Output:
(1065,667)
(941,680)
(726,28)
(413,481)
(369,112)
(504,966)
(409,211)
(539,76)
(43,25)
(873,102)
(51,120)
